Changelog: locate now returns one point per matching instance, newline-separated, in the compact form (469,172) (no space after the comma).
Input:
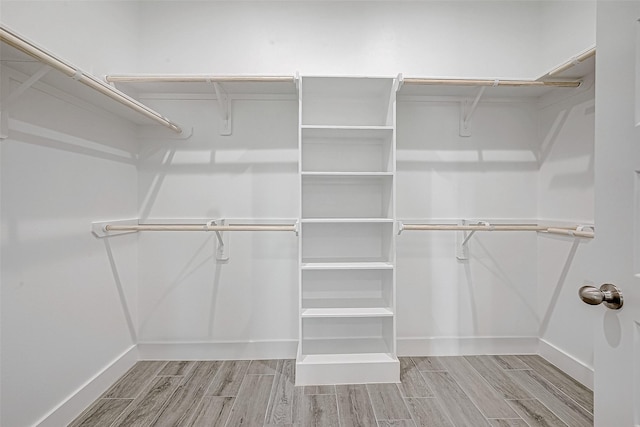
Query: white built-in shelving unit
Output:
(347,246)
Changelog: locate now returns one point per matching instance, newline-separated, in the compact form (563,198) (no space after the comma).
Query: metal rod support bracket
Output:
(296,80)
(224,104)
(222,246)
(13,96)
(467,108)
(462,252)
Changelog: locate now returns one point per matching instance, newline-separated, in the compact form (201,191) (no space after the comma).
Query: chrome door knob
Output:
(607,294)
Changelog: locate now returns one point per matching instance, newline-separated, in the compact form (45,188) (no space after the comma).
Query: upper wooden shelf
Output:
(26,63)
(204,83)
(568,76)
(494,88)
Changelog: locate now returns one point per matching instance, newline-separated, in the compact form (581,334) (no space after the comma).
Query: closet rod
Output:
(454,227)
(16,41)
(575,231)
(570,232)
(200,227)
(176,78)
(573,61)
(481,82)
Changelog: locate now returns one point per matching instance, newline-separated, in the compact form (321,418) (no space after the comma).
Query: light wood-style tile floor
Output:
(470,391)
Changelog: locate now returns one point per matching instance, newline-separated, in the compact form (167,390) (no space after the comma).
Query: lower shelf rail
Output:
(577,231)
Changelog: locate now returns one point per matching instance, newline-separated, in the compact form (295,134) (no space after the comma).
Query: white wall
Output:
(568,29)
(98,36)
(566,194)
(346,38)
(491,297)
(65,165)
(186,296)
(435,38)
(63,320)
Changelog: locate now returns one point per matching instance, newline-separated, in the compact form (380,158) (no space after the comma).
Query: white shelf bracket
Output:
(222,246)
(392,98)
(296,80)
(463,237)
(13,96)
(462,250)
(400,227)
(467,109)
(224,103)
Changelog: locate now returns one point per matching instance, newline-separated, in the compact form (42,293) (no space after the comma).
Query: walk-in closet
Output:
(327,213)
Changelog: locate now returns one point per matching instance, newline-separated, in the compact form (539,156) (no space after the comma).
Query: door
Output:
(617,212)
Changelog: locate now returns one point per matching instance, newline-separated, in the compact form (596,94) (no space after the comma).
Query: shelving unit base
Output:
(352,368)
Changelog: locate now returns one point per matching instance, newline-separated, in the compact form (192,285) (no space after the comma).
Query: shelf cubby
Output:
(347,289)
(347,101)
(347,243)
(345,335)
(347,196)
(326,149)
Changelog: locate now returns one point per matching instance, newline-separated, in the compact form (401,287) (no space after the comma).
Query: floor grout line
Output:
(546,406)
(235,401)
(338,406)
(558,388)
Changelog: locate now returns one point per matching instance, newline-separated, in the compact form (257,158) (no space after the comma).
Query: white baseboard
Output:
(567,363)
(465,346)
(226,350)
(84,396)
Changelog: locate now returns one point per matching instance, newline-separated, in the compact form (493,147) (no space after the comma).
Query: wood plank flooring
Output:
(473,391)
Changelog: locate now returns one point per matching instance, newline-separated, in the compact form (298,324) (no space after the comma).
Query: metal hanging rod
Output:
(473,227)
(12,39)
(202,227)
(177,78)
(575,231)
(573,61)
(484,82)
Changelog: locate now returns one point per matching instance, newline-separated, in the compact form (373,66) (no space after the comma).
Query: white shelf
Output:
(346,220)
(347,312)
(407,91)
(197,84)
(346,303)
(346,174)
(347,146)
(329,131)
(86,88)
(311,359)
(346,266)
